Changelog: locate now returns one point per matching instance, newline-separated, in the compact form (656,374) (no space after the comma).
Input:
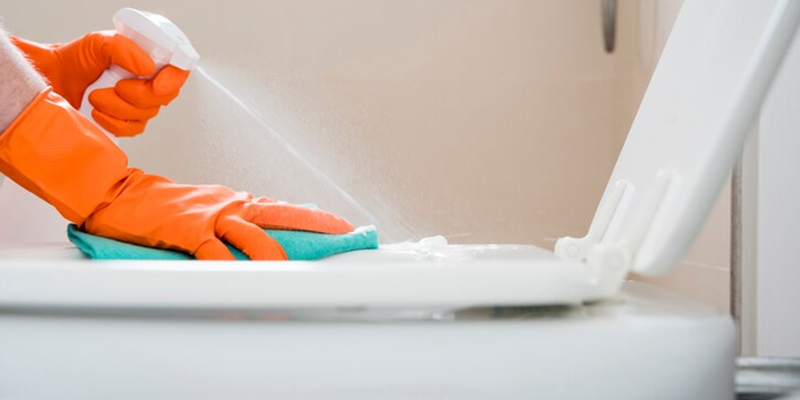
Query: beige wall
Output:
(485,121)
(772,246)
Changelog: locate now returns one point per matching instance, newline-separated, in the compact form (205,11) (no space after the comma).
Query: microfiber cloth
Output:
(298,245)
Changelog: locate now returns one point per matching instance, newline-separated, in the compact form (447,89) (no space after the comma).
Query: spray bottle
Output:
(158,37)
(28,219)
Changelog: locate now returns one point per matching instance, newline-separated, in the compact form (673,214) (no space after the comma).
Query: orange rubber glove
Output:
(60,156)
(122,110)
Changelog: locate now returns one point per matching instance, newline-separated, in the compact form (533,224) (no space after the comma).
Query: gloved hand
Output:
(122,110)
(60,156)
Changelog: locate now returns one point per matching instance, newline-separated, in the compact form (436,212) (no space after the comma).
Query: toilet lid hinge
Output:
(621,224)
(577,249)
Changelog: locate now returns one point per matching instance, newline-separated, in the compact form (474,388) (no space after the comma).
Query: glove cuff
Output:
(57,154)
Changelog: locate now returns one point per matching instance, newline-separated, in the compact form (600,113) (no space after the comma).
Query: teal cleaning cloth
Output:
(297,245)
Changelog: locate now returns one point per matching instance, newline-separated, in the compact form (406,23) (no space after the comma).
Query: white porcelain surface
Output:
(644,344)
(79,329)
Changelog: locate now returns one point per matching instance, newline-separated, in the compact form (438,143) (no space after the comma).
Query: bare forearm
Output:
(19,82)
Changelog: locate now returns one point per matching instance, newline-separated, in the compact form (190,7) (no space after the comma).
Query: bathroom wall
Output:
(485,121)
(772,302)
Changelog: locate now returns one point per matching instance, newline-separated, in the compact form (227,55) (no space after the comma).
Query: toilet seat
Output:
(453,275)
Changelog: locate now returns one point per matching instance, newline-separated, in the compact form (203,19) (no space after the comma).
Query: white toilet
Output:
(432,321)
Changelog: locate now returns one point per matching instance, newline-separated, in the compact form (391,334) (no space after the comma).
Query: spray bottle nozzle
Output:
(158,36)
(185,57)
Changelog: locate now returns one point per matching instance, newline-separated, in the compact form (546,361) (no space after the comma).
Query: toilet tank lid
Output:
(703,98)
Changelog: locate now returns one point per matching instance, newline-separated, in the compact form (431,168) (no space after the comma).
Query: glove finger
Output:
(250,239)
(117,49)
(140,93)
(213,249)
(169,80)
(108,102)
(118,127)
(291,217)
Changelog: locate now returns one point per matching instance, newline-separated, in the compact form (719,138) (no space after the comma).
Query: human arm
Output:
(18,85)
(54,152)
(124,109)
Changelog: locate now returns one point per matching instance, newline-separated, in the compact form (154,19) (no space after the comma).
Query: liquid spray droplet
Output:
(288,147)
